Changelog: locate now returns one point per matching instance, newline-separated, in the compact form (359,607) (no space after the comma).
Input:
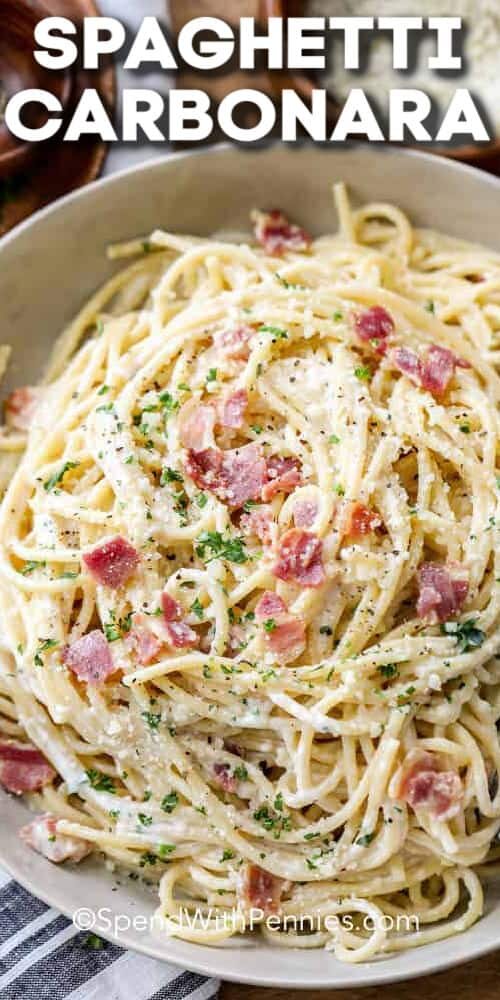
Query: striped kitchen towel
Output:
(44,957)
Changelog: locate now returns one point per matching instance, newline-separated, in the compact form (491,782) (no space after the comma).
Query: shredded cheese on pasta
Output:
(222,755)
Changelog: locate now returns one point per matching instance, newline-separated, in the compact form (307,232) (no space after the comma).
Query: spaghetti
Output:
(249,581)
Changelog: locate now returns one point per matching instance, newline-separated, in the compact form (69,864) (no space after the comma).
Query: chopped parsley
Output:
(100,782)
(153,719)
(227,854)
(363,373)
(30,567)
(272,821)
(45,645)
(365,839)
(269,625)
(388,670)
(58,477)
(466,634)
(169,475)
(240,772)
(333,439)
(169,403)
(163,850)
(169,802)
(117,628)
(212,375)
(276,332)
(337,315)
(145,820)
(197,609)
(201,500)
(429,307)
(213,545)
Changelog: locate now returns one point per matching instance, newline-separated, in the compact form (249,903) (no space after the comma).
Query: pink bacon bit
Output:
(196,425)
(172,611)
(442,591)
(235,476)
(433,373)
(234,342)
(284,634)
(270,605)
(21,406)
(23,768)
(89,658)
(283,476)
(143,640)
(113,562)
(360,520)
(425,785)
(259,522)
(300,559)
(231,410)
(260,890)
(180,635)
(375,326)
(223,777)
(305,513)
(277,235)
(42,836)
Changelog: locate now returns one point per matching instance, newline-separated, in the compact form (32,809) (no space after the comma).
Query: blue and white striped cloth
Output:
(44,957)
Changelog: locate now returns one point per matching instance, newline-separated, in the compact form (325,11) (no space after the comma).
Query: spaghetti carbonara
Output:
(249,582)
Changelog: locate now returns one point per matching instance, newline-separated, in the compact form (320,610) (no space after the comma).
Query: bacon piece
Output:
(277,235)
(434,373)
(283,475)
(181,635)
(243,474)
(42,836)
(287,636)
(23,768)
(223,777)
(259,522)
(196,425)
(89,658)
(424,785)
(442,590)
(234,342)
(235,476)
(21,406)
(305,513)
(231,410)
(360,520)
(439,369)
(172,611)
(260,890)
(143,640)
(269,606)
(300,559)
(112,563)
(374,326)
(287,640)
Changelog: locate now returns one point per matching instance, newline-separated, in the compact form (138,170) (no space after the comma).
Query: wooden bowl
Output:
(20,71)
(485,156)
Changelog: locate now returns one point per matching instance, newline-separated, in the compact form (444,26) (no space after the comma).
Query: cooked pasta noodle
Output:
(198,765)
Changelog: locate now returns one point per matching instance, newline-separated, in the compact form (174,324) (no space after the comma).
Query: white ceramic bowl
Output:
(48,267)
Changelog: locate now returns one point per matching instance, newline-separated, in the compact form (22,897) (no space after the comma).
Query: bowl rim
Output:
(376,973)
(155,162)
